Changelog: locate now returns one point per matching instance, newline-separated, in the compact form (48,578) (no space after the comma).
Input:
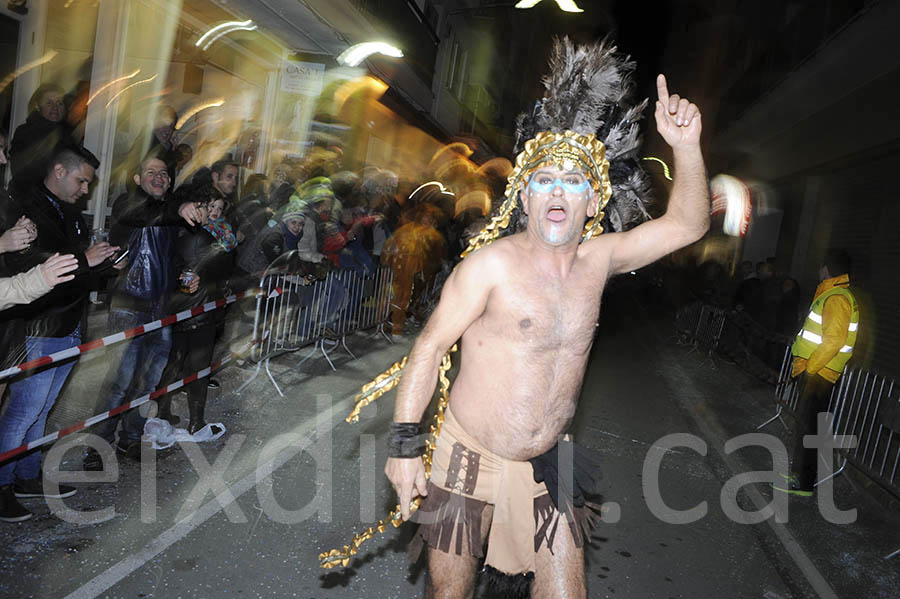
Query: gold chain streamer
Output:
(665,166)
(377,387)
(341,557)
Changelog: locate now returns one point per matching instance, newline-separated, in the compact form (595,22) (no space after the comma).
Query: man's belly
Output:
(517,406)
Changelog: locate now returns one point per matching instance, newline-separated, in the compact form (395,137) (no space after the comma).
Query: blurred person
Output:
(224,175)
(158,141)
(35,141)
(52,323)
(145,222)
(281,188)
(4,161)
(789,308)
(255,224)
(219,226)
(183,155)
(525,306)
(289,235)
(27,286)
(769,296)
(749,293)
(331,236)
(202,253)
(356,224)
(16,234)
(820,351)
(415,249)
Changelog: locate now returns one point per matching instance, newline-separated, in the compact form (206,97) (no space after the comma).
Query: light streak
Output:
(27,67)
(127,87)
(565,5)
(208,38)
(357,53)
(440,185)
(111,83)
(197,108)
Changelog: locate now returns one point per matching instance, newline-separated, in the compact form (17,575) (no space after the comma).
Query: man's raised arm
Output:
(463,300)
(687,216)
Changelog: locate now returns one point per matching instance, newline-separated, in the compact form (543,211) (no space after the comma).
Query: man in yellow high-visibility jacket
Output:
(821,350)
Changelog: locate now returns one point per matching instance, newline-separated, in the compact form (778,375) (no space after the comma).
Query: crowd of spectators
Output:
(180,234)
(763,310)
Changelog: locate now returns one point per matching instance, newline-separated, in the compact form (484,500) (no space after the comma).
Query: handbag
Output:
(147,276)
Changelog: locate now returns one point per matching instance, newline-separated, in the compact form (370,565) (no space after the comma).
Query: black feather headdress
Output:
(586,116)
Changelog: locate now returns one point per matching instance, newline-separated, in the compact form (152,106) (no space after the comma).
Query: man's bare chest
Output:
(543,314)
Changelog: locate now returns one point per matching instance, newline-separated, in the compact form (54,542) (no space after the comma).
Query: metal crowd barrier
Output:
(708,330)
(866,409)
(867,406)
(787,392)
(865,417)
(687,319)
(316,312)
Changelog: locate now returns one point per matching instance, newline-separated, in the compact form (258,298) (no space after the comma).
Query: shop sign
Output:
(304,78)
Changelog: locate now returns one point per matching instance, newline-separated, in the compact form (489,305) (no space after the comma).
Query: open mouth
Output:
(556,214)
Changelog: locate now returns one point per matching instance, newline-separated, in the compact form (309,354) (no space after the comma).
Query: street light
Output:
(565,5)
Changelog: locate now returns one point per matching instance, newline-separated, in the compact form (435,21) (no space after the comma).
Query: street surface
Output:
(275,511)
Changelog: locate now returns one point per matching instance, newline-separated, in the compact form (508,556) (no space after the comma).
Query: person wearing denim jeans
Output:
(53,322)
(30,400)
(145,220)
(140,366)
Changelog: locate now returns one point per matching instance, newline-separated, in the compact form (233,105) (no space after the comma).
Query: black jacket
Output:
(12,330)
(60,229)
(146,276)
(199,251)
(31,149)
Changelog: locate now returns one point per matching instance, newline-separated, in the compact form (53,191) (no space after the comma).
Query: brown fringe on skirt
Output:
(546,521)
(449,522)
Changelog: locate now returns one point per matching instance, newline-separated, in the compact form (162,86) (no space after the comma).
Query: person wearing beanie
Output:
(295,231)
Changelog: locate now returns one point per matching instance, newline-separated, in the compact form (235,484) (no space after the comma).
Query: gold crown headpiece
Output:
(566,151)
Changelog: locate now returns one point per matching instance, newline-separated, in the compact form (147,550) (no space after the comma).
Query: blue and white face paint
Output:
(557,204)
(542,183)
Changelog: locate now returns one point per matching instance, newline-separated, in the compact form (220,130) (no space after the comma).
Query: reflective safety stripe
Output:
(815,317)
(847,349)
(854,326)
(810,336)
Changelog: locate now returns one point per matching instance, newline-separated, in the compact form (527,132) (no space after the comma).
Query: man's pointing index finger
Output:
(662,89)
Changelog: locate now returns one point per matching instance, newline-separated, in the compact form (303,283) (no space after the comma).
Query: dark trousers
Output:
(814,394)
(192,350)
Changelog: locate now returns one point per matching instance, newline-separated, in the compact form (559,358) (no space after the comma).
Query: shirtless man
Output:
(525,307)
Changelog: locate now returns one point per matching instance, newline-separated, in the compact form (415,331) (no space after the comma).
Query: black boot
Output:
(164,411)
(196,408)
(10,508)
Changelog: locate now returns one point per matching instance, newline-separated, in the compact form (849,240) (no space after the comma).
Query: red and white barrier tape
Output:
(125,406)
(135,332)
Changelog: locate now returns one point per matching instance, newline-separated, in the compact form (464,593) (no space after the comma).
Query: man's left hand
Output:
(99,252)
(190,213)
(677,119)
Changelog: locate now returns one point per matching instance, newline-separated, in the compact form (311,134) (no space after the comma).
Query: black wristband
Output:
(405,440)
